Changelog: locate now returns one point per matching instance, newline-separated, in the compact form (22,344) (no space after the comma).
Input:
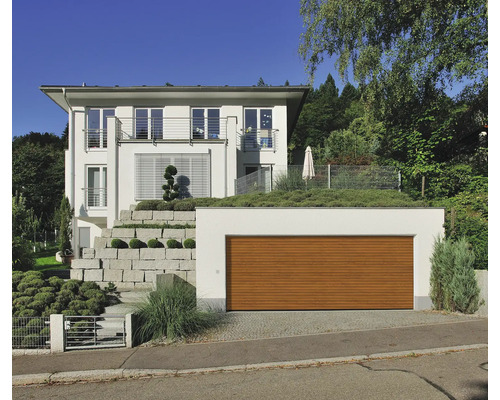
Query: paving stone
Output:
(106,253)
(113,275)
(122,286)
(133,276)
(82,263)
(93,275)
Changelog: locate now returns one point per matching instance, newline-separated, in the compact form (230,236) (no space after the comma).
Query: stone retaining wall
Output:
(137,268)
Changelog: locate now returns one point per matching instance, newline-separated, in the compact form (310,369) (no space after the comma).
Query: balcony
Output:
(95,197)
(96,139)
(258,140)
(171,129)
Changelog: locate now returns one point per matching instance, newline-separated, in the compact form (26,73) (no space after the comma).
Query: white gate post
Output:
(57,333)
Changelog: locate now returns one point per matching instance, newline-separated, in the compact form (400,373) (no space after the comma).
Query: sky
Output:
(149,42)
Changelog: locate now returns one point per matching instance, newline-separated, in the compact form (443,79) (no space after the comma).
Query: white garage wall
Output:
(214,224)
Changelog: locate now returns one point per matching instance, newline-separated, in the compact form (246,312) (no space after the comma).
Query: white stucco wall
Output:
(214,224)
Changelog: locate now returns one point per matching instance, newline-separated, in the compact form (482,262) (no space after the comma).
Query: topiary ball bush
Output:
(154,244)
(136,244)
(119,244)
(189,244)
(173,244)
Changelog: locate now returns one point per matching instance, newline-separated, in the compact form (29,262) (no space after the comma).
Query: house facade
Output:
(122,138)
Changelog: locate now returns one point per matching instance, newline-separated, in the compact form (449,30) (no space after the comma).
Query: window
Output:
(193,174)
(97,127)
(96,195)
(206,123)
(149,123)
(258,128)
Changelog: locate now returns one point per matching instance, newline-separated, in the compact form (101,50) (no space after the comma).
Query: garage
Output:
(319,272)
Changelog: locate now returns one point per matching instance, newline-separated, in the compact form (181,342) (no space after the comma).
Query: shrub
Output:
(171,312)
(154,243)
(30,291)
(171,188)
(189,244)
(23,257)
(65,215)
(87,287)
(55,282)
(118,244)
(17,276)
(453,281)
(96,294)
(137,244)
(173,244)
(30,282)
(38,306)
(94,306)
(77,305)
(27,312)
(72,285)
(32,340)
(46,298)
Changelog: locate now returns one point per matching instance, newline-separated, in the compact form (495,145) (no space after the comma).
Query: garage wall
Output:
(214,224)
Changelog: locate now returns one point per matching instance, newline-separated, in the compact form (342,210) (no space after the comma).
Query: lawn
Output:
(46,260)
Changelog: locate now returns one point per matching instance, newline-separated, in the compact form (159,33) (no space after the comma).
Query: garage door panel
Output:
(354,272)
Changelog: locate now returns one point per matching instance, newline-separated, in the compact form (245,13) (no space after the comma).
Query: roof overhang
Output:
(73,96)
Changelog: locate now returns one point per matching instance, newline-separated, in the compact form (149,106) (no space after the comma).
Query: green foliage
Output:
(72,285)
(55,282)
(118,244)
(154,243)
(23,257)
(453,281)
(290,181)
(189,243)
(171,312)
(171,188)
(173,244)
(137,244)
(65,231)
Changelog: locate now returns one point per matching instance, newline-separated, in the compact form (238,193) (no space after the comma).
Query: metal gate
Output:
(92,332)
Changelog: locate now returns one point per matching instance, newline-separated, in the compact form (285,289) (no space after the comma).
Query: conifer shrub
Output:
(136,244)
(189,243)
(173,244)
(154,244)
(119,244)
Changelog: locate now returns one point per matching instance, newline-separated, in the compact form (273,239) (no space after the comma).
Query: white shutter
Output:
(193,174)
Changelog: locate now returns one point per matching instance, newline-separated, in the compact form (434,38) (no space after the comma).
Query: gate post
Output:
(57,333)
(128,331)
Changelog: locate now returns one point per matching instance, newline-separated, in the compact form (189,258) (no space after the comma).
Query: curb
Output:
(125,373)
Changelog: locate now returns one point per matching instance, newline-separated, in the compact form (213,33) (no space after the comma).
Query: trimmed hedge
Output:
(189,244)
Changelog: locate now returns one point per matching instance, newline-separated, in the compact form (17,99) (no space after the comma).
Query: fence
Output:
(30,332)
(289,178)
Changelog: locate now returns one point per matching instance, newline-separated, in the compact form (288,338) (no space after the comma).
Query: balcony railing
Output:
(171,129)
(95,197)
(96,139)
(258,139)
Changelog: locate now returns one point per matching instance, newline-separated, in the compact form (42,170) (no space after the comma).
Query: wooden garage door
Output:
(319,273)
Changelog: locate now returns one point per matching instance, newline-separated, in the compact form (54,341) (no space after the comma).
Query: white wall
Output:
(214,224)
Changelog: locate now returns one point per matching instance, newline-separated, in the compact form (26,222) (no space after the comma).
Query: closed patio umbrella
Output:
(308,171)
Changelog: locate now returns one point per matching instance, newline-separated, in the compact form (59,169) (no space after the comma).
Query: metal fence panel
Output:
(258,181)
(91,332)
(30,332)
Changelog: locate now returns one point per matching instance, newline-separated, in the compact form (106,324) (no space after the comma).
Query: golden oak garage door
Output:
(319,273)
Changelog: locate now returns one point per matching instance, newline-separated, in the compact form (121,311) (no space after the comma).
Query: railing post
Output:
(57,333)
(329,177)
(128,331)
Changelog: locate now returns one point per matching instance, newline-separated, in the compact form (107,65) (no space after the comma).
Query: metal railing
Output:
(289,178)
(96,139)
(95,197)
(30,332)
(171,129)
(91,332)
(257,139)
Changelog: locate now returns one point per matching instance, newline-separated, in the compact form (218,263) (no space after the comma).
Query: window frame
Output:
(158,133)
(101,132)
(103,177)
(207,127)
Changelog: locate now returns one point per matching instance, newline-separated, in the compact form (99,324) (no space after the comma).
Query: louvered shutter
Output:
(193,174)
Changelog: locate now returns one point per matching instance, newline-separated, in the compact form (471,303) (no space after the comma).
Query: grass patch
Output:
(45,260)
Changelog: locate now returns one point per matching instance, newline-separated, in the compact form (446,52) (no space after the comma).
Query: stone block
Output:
(125,214)
(178,254)
(183,223)
(193,254)
(113,275)
(145,286)
(106,232)
(152,254)
(184,216)
(132,207)
(146,234)
(178,234)
(190,233)
(133,276)
(187,265)
(100,242)
(76,274)
(163,215)
(155,264)
(128,254)
(105,264)
(123,233)
(106,253)
(88,253)
(93,275)
(117,222)
(191,277)
(168,279)
(120,264)
(142,215)
(123,286)
(82,263)
(150,276)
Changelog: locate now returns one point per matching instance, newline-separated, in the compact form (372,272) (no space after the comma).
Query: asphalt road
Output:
(459,375)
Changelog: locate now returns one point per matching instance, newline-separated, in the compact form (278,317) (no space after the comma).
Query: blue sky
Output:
(127,43)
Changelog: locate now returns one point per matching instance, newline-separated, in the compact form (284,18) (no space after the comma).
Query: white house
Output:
(122,138)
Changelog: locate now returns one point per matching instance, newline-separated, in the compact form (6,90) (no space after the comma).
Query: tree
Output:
(171,188)
(65,216)
(261,82)
(394,47)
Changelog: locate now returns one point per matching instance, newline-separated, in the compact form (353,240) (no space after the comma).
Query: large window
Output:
(149,123)
(258,128)
(206,123)
(95,191)
(97,127)
(193,174)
